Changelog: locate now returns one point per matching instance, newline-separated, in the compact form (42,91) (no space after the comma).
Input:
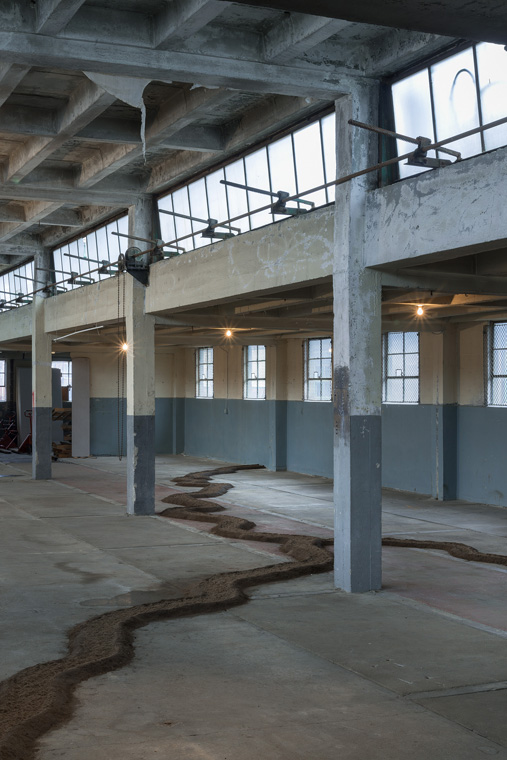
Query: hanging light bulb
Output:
(420,311)
(228,333)
(125,347)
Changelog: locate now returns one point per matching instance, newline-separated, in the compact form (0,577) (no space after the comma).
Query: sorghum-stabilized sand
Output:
(40,698)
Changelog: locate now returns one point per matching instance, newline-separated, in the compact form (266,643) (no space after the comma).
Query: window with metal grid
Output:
(496,364)
(204,373)
(303,159)
(317,362)
(254,378)
(3,380)
(65,368)
(87,252)
(400,368)
(16,286)
(458,92)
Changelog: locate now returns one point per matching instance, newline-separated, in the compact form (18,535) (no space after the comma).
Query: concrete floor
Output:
(302,671)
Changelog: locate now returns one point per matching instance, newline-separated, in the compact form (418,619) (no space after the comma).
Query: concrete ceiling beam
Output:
(105,24)
(24,120)
(6,260)
(112,131)
(246,321)
(11,74)
(181,19)
(395,50)
(480,20)
(12,212)
(175,115)
(54,15)
(63,217)
(197,138)
(93,196)
(84,105)
(447,282)
(35,211)
(298,33)
(207,70)
(260,122)
(50,177)
(55,228)
(19,250)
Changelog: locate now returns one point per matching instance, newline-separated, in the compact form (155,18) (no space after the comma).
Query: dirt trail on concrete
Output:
(461,551)
(40,698)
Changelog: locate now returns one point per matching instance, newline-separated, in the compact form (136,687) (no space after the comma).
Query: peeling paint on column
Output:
(341,400)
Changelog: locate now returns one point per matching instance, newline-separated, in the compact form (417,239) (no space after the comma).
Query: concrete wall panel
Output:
(297,250)
(482,455)
(452,211)
(310,437)
(408,446)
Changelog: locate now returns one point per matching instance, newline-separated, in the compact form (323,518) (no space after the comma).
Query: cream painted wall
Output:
(471,365)
(104,373)
(295,369)
(451,369)
(438,357)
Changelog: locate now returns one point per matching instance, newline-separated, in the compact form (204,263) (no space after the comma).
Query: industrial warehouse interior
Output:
(253,379)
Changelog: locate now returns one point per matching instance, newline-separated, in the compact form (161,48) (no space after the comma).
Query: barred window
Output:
(254,382)
(496,364)
(3,375)
(400,368)
(204,373)
(317,369)
(65,368)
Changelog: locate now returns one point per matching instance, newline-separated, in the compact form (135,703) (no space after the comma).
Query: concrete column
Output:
(140,333)
(357,361)
(439,354)
(42,401)
(141,220)
(80,407)
(276,367)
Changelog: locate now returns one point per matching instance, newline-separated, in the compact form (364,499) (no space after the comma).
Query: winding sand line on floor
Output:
(461,551)
(40,698)
(233,527)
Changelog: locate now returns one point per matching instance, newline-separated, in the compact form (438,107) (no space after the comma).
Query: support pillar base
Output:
(141,464)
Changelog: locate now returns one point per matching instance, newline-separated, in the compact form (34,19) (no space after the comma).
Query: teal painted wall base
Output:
(310,437)
(104,437)
(445,451)
(278,434)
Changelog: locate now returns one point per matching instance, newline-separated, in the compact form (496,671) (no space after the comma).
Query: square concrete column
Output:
(357,362)
(141,222)
(140,335)
(42,397)
(276,381)
(80,406)
(439,353)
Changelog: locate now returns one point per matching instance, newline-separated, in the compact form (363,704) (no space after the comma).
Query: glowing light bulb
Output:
(228,333)
(125,347)
(420,311)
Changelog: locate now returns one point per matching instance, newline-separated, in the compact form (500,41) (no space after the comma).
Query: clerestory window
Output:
(204,372)
(254,372)
(496,364)
(459,92)
(400,368)
(317,361)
